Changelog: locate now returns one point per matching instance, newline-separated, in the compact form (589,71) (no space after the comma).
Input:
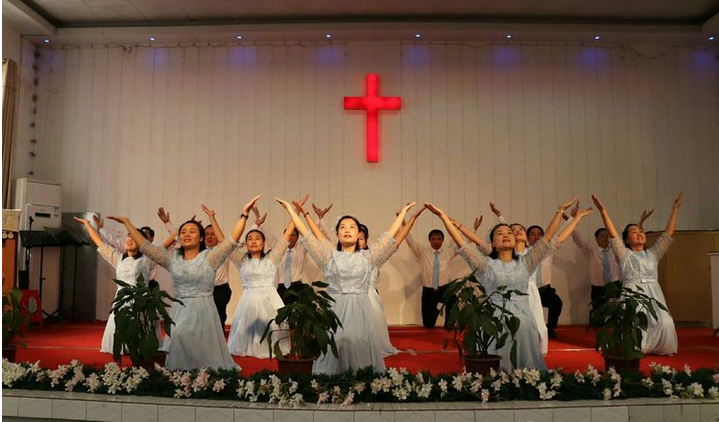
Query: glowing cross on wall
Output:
(372,102)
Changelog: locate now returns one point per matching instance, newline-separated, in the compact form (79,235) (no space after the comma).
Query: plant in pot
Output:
(14,322)
(310,325)
(479,320)
(139,309)
(620,319)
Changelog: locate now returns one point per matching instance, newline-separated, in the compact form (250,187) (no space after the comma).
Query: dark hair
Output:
(262,235)
(599,231)
(295,231)
(337,229)
(148,229)
(202,235)
(364,230)
(625,234)
(208,226)
(520,225)
(138,255)
(535,227)
(436,231)
(495,253)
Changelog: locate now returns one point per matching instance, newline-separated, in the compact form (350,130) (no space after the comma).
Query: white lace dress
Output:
(127,269)
(259,303)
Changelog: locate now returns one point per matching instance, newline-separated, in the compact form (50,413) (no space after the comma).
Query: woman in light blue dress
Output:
(505,268)
(640,269)
(197,339)
(348,271)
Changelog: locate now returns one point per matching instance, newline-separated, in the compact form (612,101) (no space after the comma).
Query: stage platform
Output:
(420,349)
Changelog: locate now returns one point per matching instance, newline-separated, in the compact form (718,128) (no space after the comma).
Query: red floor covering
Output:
(422,349)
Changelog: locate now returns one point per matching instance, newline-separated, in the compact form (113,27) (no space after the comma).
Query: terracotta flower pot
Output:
(482,364)
(294,365)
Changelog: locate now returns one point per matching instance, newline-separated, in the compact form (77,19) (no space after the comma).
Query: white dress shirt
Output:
(595,256)
(425,256)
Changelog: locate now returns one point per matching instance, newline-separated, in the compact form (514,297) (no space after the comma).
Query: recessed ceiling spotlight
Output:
(508,36)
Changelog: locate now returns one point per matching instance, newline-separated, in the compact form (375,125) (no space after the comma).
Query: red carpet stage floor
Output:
(421,349)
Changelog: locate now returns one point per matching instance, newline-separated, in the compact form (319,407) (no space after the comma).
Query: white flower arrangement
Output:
(396,384)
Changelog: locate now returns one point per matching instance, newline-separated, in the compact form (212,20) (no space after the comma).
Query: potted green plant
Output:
(139,309)
(479,320)
(14,322)
(621,320)
(310,325)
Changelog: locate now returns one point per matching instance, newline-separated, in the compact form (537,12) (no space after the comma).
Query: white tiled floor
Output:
(79,406)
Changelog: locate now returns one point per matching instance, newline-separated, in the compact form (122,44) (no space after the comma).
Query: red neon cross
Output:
(372,102)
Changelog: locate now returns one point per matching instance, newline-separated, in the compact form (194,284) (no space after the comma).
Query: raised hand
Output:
(251,204)
(83,221)
(321,212)
(477,223)
(563,207)
(258,220)
(210,213)
(300,205)
(575,210)
(582,214)
(120,219)
(408,207)
(164,216)
(433,209)
(495,210)
(646,214)
(598,203)
(678,201)
(286,205)
(98,221)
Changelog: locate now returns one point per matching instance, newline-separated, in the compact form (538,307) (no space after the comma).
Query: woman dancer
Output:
(640,269)
(348,271)
(129,265)
(505,268)
(197,339)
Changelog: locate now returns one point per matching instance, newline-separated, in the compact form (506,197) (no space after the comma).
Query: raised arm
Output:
(106,236)
(672,223)
(300,208)
(299,225)
(397,223)
(645,214)
(406,227)
(605,217)
(213,221)
(569,228)
(472,236)
(155,253)
(240,226)
(94,235)
(451,229)
(554,224)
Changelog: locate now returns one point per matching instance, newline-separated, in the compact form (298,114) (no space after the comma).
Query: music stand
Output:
(68,238)
(38,239)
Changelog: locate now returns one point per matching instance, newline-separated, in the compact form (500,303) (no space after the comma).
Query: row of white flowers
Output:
(397,384)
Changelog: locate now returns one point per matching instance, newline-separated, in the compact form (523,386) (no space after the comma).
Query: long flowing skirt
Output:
(357,346)
(535,306)
(529,353)
(661,336)
(256,308)
(380,321)
(197,340)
